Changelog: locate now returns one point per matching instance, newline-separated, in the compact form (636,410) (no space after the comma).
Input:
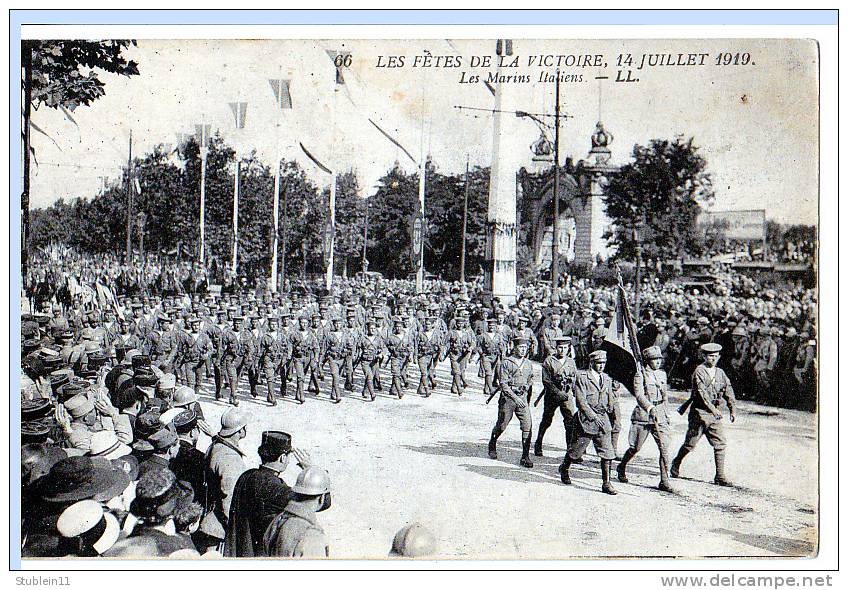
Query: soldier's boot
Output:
(526,439)
(563,471)
(622,467)
(677,461)
(493,444)
(665,485)
(720,478)
(606,467)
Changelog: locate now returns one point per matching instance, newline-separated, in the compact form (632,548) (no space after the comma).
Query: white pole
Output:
(235,216)
(274,260)
(202,201)
(334,164)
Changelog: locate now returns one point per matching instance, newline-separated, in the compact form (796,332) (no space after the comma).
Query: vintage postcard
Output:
(463,298)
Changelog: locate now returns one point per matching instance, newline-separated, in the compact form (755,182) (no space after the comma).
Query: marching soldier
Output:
(233,356)
(271,356)
(316,358)
(460,344)
(595,416)
(284,342)
(371,353)
(711,390)
(524,331)
(164,346)
(558,374)
(302,347)
(215,331)
(335,351)
(352,347)
(252,336)
(650,416)
(196,350)
(515,386)
(552,333)
(429,344)
(400,347)
(488,350)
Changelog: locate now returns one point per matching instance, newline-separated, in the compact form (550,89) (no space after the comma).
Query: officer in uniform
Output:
(711,389)
(595,416)
(558,375)
(650,416)
(316,355)
(515,387)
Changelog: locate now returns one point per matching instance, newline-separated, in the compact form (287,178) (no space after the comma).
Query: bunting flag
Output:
(623,354)
(202,132)
(282,93)
(394,141)
(106,298)
(341,59)
(239,112)
(315,160)
(137,185)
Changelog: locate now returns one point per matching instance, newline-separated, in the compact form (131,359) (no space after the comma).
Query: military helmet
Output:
(312,481)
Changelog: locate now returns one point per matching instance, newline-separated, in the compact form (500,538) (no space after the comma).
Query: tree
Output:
(656,199)
(63,75)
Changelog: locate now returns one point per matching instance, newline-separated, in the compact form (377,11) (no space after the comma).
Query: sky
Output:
(755,124)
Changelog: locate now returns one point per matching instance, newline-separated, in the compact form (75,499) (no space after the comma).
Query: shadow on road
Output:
(779,545)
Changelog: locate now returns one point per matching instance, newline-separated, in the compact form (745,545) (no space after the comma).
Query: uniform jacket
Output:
(259,496)
(558,376)
(295,533)
(224,465)
(515,377)
(710,394)
(595,399)
(650,388)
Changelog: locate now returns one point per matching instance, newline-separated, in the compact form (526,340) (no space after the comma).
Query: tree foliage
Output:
(657,196)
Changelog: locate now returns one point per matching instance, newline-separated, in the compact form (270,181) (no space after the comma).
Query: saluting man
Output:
(711,390)
(558,374)
(595,416)
(650,416)
(514,384)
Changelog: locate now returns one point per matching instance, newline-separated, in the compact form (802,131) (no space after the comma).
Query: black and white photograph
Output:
(419,298)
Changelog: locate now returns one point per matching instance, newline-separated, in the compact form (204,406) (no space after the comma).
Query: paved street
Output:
(394,461)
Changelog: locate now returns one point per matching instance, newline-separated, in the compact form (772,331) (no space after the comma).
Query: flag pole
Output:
(422,180)
(203,153)
(464,227)
(235,215)
(332,224)
(276,209)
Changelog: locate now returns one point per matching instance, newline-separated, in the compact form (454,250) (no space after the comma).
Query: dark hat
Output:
(29,346)
(563,340)
(275,443)
(157,494)
(164,438)
(185,421)
(71,389)
(140,360)
(79,478)
(35,409)
(35,432)
(147,423)
(520,340)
